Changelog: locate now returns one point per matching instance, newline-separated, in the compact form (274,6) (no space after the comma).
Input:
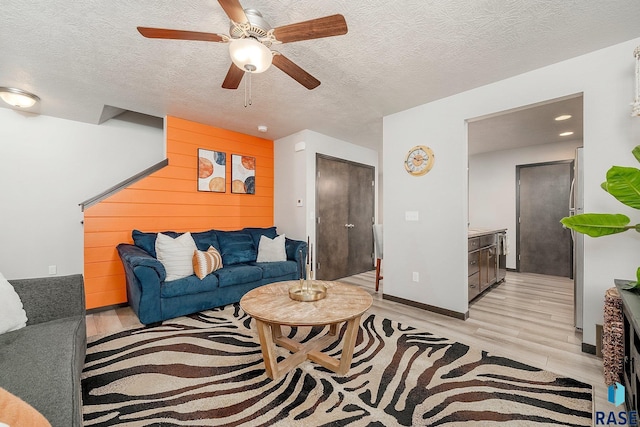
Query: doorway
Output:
(526,144)
(544,246)
(345,213)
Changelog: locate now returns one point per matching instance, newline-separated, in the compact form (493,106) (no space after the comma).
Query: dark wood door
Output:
(332,214)
(344,218)
(361,218)
(544,246)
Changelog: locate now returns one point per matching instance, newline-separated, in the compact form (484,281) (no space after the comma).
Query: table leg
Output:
(268,347)
(350,335)
(333,329)
(276,331)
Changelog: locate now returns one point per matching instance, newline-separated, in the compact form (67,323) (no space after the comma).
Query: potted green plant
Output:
(623,183)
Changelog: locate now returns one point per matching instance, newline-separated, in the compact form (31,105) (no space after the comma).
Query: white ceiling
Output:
(526,126)
(82,55)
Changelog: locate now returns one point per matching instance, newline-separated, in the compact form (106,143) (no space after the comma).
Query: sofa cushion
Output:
(238,274)
(236,247)
(188,285)
(42,365)
(147,241)
(257,232)
(204,239)
(176,255)
(276,269)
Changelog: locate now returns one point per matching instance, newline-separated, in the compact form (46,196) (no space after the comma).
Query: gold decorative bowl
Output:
(307,291)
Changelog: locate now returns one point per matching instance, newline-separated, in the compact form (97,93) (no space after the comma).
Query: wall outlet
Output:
(53,269)
(416,276)
(299,202)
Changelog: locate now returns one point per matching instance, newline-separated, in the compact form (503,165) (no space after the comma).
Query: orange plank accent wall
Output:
(169,200)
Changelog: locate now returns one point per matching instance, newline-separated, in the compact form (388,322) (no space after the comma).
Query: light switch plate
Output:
(411,216)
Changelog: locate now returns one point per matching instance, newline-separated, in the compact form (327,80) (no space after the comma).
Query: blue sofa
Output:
(153,299)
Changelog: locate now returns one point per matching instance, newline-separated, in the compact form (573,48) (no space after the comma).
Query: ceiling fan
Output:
(251,38)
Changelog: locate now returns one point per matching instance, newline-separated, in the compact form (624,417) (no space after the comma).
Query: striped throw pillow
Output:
(206,262)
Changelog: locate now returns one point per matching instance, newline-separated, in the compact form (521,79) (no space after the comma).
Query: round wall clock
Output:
(419,160)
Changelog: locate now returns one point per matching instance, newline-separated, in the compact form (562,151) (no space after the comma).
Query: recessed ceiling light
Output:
(262,128)
(563,117)
(566,133)
(17,97)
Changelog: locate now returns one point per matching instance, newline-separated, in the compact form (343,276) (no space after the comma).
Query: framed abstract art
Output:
(243,174)
(212,166)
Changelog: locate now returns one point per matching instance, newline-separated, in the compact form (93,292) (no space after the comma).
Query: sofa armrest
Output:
(135,256)
(50,298)
(293,247)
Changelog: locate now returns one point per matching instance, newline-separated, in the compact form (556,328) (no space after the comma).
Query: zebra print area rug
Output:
(207,370)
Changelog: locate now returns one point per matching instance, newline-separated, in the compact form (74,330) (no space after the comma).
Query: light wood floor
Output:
(528,318)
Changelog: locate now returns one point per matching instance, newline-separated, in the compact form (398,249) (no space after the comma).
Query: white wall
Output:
(47,167)
(436,245)
(492,185)
(294,178)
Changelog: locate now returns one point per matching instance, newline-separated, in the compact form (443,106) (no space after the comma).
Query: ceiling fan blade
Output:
(233,78)
(163,33)
(297,73)
(333,25)
(234,10)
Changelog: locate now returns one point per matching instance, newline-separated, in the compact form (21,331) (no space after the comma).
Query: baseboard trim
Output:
(588,348)
(427,307)
(107,307)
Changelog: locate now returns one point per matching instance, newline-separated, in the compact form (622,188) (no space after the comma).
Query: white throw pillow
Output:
(176,255)
(271,250)
(12,315)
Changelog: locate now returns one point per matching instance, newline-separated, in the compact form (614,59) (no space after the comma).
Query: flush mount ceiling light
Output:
(18,97)
(566,133)
(563,117)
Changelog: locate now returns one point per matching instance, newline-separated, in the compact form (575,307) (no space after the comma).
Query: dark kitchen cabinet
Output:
(483,262)
(487,267)
(474,274)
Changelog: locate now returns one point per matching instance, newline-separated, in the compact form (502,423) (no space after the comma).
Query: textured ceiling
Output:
(82,55)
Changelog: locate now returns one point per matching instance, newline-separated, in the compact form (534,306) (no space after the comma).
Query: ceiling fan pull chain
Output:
(247,99)
(250,73)
(245,92)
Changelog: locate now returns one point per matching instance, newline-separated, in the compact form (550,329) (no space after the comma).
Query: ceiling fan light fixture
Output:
(17,97)
(249,54)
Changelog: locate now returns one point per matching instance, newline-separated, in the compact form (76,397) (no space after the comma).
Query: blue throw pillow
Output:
(205,239)
(236,247)
(256,233)
(147,241)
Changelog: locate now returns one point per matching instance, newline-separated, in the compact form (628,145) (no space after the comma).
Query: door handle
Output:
(349,225)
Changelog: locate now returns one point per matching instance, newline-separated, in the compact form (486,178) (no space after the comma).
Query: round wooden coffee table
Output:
(271,307)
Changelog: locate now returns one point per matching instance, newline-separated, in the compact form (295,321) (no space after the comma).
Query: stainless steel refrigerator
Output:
(576,206)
